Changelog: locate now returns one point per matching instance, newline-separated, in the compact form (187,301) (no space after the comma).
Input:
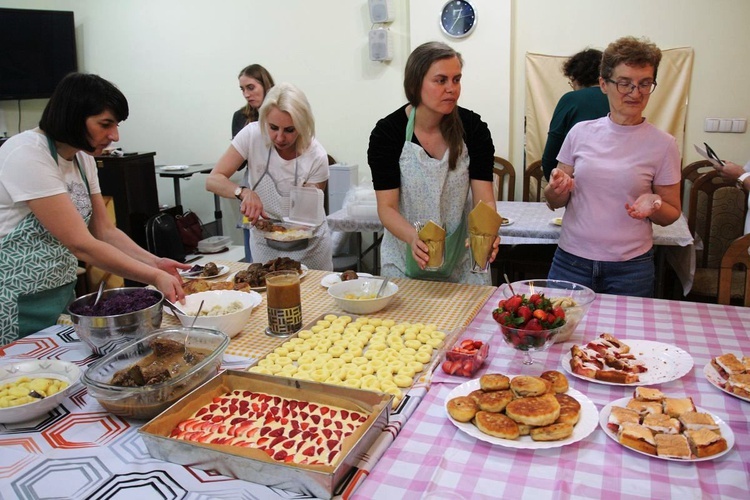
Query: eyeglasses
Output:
(627,87)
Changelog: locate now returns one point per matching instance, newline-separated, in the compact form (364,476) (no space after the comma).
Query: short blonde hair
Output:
(288,98)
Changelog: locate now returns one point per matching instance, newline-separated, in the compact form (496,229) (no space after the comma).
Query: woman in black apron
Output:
(431,160)
(54,214)
(281,153)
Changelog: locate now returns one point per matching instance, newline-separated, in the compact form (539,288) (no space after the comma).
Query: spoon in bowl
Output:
(509,285)
(382,287)
(186,355)
(99,294)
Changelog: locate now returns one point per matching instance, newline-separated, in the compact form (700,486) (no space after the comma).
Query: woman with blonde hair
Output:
(281,153)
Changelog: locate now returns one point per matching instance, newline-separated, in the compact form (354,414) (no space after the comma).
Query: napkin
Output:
(434,236)
(484,221)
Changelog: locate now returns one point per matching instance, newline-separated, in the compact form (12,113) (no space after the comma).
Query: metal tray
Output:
(254,465)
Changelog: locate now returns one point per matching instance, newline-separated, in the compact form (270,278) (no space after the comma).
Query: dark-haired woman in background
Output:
(255,82)
(52,213)
(585,102)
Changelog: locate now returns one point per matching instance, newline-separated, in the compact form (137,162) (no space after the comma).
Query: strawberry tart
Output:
(288,430)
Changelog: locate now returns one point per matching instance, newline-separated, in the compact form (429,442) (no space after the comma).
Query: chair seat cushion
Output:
(706,283)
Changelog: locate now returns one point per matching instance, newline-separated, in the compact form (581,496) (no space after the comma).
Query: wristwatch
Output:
(741,180)
(238,192)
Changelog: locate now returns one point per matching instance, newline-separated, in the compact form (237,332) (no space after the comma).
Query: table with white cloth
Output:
(432,456)
(534,223)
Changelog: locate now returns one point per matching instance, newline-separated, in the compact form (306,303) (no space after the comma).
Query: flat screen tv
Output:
(37,49)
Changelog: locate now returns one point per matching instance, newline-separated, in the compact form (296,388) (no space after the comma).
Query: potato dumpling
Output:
(18,392)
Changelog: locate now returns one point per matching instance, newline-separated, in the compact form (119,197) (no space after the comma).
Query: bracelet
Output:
(741,180)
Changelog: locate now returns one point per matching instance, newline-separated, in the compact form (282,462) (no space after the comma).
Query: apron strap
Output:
(268,162)
(410,124)
(53,152)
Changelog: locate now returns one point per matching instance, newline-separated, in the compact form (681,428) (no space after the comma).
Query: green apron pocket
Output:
(455,248)
(40,310)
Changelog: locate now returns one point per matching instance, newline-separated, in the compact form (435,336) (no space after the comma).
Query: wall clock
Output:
(458,18)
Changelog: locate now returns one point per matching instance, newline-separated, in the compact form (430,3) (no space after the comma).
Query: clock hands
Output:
(460,16)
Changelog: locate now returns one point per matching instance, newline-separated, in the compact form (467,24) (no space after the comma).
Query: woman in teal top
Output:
(52,213)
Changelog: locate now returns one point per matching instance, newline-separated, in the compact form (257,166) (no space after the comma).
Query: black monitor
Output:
(37,49)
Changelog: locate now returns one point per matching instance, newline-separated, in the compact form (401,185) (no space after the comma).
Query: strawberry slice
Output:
(309,452)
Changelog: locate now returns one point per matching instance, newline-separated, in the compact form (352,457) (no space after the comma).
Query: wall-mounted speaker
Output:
(381,45)
(381,11)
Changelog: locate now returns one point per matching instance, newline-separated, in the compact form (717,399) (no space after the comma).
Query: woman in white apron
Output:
(281,152)
(431,160)
(53,213)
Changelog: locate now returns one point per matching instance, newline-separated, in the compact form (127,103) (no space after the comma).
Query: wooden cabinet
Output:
(131,182)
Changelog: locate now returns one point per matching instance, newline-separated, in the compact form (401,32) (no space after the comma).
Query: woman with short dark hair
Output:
(52,213)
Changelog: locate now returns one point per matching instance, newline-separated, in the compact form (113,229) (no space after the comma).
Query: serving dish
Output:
(362,286)
(232,323)
(585,426)
(145,402)
(37,368)
(223,270)
(665,363)
(717,381)
(726,433)
(303,268)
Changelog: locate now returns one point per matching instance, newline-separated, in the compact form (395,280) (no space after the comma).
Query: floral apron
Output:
(430,190)
(276,201)
(37,272)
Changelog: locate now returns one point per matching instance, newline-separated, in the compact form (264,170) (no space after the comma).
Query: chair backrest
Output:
(735,256)
(689,174)
(716,216)
(534,182)
(504,170)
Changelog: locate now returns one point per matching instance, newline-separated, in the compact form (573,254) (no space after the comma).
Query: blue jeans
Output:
(633,277)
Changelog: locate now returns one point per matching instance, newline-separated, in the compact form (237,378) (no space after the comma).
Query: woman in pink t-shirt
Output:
(615,176)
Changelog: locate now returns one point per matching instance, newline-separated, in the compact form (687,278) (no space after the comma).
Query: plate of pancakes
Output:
(522,411)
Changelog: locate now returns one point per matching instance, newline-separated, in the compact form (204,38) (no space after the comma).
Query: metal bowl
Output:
(105,334)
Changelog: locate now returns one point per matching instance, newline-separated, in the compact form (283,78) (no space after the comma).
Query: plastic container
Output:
(213,244)
(306,206)
(466,361)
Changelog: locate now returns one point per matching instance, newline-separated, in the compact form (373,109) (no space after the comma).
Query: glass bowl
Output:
(575,300)
(107,333)
(147,401)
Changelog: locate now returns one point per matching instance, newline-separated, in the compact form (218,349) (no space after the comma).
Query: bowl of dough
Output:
(359,296)
(225,310)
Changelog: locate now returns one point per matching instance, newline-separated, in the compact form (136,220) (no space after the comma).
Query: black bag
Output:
(163,237)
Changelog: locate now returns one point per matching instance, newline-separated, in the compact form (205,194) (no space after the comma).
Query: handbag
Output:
(190,228)
(163,237)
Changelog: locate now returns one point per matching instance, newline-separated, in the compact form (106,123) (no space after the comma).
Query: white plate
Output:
(333,278)
(507,221)
(222,271)
(304,272)
(726,433)
(170,168)
(717,381)
(557,221)
(664,362)
(583,428)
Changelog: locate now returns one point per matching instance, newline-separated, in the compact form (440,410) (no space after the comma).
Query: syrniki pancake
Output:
(537,411)
(462,408)
(524,385)
(494,382)
(558,380)
(494,401)
(496,424)
(570,409)
(553,432)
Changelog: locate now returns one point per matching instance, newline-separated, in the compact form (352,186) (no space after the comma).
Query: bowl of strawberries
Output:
(536,313)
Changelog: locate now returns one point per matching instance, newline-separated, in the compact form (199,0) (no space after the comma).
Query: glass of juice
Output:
(284,303)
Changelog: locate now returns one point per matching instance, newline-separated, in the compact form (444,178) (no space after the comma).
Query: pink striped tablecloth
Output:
(431,456)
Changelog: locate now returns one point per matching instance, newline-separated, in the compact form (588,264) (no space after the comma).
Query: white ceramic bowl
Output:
(37,368)
(231,324)
(362,286)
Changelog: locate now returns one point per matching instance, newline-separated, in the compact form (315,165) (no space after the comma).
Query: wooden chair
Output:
(534,182)
(504,169)
(731,282)
(716,216)
(689,174)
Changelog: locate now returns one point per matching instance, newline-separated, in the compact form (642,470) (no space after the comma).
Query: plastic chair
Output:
(504,169)
(534,182)
(731,282)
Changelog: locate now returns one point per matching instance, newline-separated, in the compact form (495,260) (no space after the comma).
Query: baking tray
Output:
(254,465)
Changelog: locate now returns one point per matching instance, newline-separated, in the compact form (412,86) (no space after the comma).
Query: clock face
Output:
(458,18)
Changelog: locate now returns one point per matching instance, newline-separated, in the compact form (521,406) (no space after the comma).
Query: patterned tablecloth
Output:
(81,451)
(431,455)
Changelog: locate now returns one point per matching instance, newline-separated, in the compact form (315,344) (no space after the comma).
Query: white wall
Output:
(177,62)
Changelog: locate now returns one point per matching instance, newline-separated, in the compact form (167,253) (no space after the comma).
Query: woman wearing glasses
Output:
(615,176)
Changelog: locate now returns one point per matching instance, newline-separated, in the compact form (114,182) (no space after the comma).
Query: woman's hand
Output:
(644,206)
(170,286)
(251,206)
(560,182)
(730,170)
(420,251)
(171,266)
(495,248)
